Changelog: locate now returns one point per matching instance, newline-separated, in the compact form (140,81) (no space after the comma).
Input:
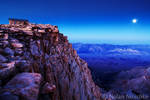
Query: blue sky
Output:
(88,21)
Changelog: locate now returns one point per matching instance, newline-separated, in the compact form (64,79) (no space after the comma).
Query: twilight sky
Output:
(88,21)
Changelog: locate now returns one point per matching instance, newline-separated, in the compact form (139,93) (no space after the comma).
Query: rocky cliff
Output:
(38,63)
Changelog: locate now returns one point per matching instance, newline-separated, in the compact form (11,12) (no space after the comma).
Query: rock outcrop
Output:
(24,85)
(38,63)
(133,83)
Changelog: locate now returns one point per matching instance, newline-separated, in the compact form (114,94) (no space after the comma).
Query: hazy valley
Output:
(114,66)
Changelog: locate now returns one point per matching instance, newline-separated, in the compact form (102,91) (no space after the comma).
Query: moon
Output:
(134,21)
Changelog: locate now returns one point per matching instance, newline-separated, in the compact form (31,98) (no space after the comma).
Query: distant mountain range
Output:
(109,49)
(107,58)
(114,57)
(122,68)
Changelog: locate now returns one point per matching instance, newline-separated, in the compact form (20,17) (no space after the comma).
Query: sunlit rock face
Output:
(38,63)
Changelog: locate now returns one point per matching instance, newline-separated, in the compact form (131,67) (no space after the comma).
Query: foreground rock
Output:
(25,85)
(7,70)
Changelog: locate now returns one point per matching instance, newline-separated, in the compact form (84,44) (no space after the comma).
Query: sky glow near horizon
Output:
(88,21)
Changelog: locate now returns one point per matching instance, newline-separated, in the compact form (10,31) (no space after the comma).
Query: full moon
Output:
(134,21)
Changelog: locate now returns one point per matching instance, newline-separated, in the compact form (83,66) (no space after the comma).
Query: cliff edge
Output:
(38,63)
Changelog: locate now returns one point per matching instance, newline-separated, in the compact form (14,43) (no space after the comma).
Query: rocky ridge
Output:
(134,82)
(38,63)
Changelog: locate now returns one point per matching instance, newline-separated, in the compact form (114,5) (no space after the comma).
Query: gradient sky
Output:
(88,21)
